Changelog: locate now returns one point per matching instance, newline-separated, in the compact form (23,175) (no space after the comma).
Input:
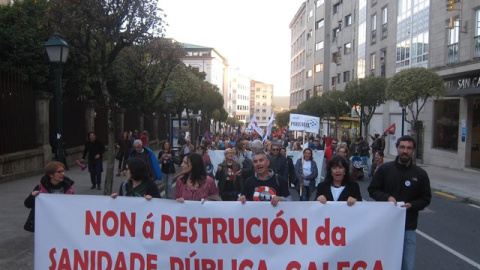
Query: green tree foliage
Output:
(283,118)
(368,93)
(411,88)
(99,30)
(312,107)
(334,105)
(23,33)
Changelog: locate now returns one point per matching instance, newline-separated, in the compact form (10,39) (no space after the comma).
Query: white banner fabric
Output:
(98,232)
(300,122)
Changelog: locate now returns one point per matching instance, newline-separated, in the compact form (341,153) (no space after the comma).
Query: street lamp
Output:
(169,98)
(57,51)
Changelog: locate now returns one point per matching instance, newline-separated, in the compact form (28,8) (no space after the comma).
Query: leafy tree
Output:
(99,30)
(334,104)
(368,93)
(23,33)
(311,107)
(411,88)
(283,118)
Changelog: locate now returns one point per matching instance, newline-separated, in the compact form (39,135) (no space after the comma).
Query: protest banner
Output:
(300,122)
(98,232)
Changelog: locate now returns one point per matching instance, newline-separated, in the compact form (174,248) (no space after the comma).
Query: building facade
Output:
(261,101)
(238,94)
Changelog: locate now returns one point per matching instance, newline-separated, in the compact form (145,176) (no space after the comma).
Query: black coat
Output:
(352,189)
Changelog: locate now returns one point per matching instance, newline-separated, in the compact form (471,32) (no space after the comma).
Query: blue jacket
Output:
(152,162)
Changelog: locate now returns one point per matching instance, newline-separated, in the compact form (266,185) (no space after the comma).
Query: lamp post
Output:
(169,98)
(403,121)
(57,51)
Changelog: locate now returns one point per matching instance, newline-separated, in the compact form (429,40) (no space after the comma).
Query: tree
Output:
(411,88)
(368,93)
(23,32)
(99,31)
(311,107)
(283,118)
(334,104)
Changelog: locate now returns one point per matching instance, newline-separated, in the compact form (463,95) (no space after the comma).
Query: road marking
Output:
(445,194)
(462,257)
(473,205)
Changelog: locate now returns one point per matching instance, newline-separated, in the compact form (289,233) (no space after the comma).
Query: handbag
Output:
(30,223)
(119,155)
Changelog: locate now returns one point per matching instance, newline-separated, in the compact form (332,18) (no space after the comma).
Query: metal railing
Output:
(452,53)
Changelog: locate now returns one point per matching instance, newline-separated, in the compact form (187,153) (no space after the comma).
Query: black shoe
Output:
(93,187)
(99,188)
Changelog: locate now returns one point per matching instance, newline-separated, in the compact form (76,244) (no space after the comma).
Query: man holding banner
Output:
(401,180)
(265,185)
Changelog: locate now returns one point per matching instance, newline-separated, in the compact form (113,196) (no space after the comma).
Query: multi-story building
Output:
(387,37)
(234,84)
(261,101)
(210,61)
(239,94)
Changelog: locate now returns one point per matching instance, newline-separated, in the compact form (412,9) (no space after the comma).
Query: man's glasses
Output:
(275,149)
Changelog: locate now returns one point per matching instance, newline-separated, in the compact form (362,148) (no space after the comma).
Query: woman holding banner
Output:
(54,182)
(138,183)
(194,184)
(229,180)
(306,171)
(337,185)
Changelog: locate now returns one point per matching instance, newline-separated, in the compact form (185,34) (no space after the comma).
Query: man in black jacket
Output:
(401,180)
(95,149)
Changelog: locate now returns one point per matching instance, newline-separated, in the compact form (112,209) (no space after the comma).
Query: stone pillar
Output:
(89,118)
(42,124)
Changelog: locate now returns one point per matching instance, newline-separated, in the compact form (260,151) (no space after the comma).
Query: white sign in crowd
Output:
(98,232)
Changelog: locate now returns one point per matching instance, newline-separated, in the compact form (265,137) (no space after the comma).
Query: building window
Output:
(477,35)
(319,67)
(383,59)
(403,54)
(445,124)
(346,76)
(336,33)
(384,22)
(334,82)
(309,34)
(374,29)
(319,46)
(347,48)
(318,90)
(452,45)
(310,14)
(309,73)
(336,57)
(419,48)
(336,8)
(348,20)
(320,23)
(319,3)
(372,63)
(308,94)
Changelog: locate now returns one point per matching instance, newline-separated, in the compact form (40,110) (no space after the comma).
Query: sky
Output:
(252,34)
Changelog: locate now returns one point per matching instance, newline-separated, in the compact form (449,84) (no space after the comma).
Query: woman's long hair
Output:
(337,161)
(138,169)
(198,173)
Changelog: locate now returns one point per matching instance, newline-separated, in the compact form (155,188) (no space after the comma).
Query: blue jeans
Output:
(409,249)
(168,181)
(366,160)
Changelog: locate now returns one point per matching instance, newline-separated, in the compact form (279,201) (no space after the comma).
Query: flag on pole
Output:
(390,130)
(253,125)
(269,126)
